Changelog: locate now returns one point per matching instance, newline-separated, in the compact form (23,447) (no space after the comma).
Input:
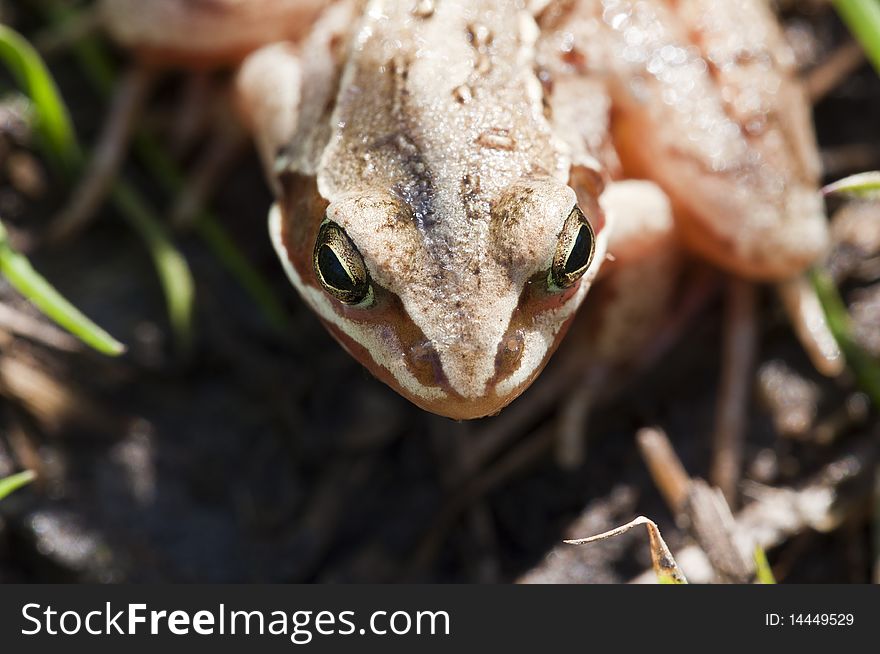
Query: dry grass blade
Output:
(53,401)
(714,528)
(808,320)
(665,567)
(21,324)
(703,508)
(831,497)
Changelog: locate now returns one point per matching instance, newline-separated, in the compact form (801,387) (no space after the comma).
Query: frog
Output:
(451,177)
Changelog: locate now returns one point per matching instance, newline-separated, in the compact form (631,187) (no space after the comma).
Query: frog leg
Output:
(284,93)
(206,34)
(641,273)
(286,101)
(760,214)
(617,326)
(722,126)
(627,308)
(268,93)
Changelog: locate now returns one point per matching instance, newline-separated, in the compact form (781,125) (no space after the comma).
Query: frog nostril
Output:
(510,352)
(424,363)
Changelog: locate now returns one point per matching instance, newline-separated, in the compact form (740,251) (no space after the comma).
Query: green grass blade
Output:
(60,144)
(763,571)
(11,484)
(213,234)
(98,68)
(866,369)
(174,273)
(862,17)
(240,268)
(53,119)
(864,186)
(17,269)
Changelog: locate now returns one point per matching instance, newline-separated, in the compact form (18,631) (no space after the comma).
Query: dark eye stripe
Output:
(580,252)
(332,270)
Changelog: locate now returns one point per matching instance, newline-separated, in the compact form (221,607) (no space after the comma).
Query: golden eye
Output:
(340,266)
(574,251)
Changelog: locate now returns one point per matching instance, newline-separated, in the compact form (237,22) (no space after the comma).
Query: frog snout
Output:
(475,382)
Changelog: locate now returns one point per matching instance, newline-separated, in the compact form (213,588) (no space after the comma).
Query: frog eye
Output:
(574,251)
(340,266)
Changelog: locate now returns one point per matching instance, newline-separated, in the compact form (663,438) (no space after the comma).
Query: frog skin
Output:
(450,176)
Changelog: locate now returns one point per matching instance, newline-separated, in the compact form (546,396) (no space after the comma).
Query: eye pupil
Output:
(580,252)
(332,270)
(339,266)
(574,251)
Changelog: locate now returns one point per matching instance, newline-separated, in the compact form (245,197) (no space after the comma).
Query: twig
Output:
(321,520)
(97,66)
(702,508)
(84,23)
(712,524)
(844,159)
(192,116)
(24,444)
(842,63)
(29,327)
(107,156)
(777,514)
(519,457)
(519,417)
(738,360)
(226,146)
(665,467)
(572,424)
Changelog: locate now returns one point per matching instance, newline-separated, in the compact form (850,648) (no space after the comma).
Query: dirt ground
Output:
(267,455)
